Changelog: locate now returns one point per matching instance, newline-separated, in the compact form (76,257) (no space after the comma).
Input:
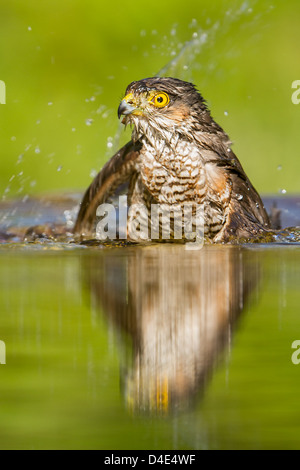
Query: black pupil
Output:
(160,99)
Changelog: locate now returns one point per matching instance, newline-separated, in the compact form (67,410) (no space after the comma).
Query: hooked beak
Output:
(125,108)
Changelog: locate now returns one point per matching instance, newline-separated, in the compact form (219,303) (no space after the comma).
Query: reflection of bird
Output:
(173,313)
(178,155)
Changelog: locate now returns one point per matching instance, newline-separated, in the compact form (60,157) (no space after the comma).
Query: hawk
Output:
(177,155)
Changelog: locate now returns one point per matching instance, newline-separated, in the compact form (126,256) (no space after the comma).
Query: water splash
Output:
(186,61)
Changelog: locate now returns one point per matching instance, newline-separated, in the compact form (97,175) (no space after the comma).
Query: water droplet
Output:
(50,158)
(282,191)
(50,103)
(101,109)
(29,28)
(195,35)
(89,122)
(239,197)
(143,32)
(38,122)
(13,138)
(69,218)
(109,142)
(37,150)
(279,168)
(33,183)
(59,168)
(173,32)
(93,173)
(20,158)
(203,38)
(73,129)
(193,23)
(226,113)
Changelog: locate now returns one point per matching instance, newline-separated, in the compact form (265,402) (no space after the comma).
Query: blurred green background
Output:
(66,65)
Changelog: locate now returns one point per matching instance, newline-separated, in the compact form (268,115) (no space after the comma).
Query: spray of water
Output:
(187,59)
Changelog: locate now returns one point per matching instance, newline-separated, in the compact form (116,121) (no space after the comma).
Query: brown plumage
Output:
(178,155)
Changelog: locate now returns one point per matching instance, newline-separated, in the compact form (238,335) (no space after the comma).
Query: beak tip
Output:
(125,109)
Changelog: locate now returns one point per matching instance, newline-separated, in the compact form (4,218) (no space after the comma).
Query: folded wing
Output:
(115,172)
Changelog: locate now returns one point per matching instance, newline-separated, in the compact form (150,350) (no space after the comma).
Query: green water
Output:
(149,348)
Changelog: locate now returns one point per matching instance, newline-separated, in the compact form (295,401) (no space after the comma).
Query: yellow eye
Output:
(161,100)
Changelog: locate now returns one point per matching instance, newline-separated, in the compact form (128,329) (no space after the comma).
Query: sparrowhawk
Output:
(177,155)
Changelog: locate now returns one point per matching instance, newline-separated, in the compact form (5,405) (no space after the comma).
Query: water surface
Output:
(153,347)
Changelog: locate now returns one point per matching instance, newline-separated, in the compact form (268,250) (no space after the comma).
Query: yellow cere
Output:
(128,97)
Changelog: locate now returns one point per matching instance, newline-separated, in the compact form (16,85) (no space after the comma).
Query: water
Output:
(149,347)
(152,348)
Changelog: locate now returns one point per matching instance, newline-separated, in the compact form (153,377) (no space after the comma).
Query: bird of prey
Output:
(177,155)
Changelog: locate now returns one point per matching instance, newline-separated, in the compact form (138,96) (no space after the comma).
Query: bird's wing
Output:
(246,215)
(114,173)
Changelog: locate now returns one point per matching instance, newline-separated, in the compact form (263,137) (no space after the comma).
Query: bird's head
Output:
(164,104)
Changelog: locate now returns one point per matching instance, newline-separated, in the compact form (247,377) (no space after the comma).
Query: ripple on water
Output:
(48,223)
